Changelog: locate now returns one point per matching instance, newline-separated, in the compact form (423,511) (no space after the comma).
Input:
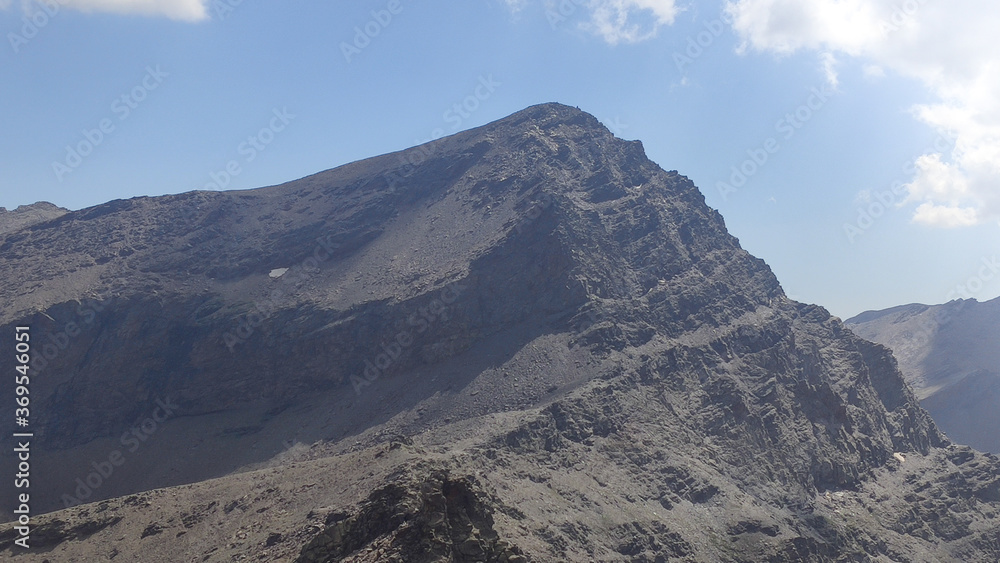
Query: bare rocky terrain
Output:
(28,215)
(523,342)
(950,355)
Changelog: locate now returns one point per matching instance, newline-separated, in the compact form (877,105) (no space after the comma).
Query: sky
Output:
(854,145)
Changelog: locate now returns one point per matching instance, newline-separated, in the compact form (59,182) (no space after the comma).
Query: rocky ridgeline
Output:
(28,215)
(949,354)
(583,362)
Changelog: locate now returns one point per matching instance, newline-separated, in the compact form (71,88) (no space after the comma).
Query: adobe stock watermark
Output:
(987,271)
(559,11)
(697,44)
(57,343)
(535,210)
(877,203)
(225,8)
(364,35)
(131,440)
(420,322)
(280,296)
(903,13)
(787,126)
(249,149)
(927,325)
(616,126)
(32,24)
(122,107)
(460,111)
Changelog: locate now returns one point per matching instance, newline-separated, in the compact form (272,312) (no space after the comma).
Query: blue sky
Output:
(852,144)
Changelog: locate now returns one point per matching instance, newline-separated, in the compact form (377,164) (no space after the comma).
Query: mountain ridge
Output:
(948,355)
(27,215)
(527,341)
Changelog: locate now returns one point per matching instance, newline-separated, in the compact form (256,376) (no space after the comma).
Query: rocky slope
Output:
(28,215)
(524,342)
(950,355)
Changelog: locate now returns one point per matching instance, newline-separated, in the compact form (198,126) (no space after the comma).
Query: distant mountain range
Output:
(523,342)
(950,355)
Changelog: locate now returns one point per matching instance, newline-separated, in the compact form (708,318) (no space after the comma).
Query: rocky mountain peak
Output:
(529,322)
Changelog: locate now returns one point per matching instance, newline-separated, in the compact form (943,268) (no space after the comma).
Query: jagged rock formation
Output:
(950,355)
(524,342)
(435,519)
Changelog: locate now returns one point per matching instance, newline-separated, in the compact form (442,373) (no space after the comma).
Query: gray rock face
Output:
(435,519)
(950,355)
(28,215)
(522,342)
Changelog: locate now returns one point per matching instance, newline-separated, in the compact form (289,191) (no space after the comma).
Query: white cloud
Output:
(516,5)
(937,181)
(830,68)
(944,216)
(784,26)
(874,71)
(614,21)
(629,21)
(184,10)
(949,46)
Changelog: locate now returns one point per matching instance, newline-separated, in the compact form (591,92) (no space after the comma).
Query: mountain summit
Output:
(525,341)
(27,215)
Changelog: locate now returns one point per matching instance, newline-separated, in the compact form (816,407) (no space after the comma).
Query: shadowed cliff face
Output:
(542,219)
(533,301)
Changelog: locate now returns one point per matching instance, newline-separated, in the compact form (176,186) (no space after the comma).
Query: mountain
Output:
(28,215)
(950,355)
(523,342)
